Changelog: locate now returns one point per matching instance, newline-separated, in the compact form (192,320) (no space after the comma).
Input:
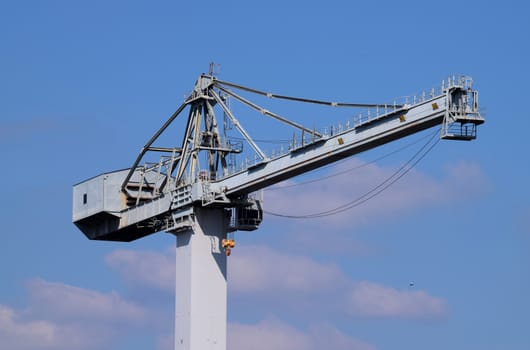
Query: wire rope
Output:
(398,174)
(300,99)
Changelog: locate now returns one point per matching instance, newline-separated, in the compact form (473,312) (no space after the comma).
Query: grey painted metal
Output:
(238,126)
(201,288)
(150,142)
(267,112)
(147,205)
(352,141)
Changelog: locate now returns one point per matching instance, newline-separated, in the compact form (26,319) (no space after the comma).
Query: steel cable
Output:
(398,174)
(305,100)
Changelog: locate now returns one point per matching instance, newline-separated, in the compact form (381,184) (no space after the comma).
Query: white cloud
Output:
(466,178)
(415,190)
(19,333)
(373,300)
(325,336)
(280,282)
(294,282)
(251,269)
(145,268)
(16,334)
(66,302)
(275,334)
(268,334)
(60,316)
(262,270)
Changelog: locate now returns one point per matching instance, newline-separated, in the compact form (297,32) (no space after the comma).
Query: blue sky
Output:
(83,85)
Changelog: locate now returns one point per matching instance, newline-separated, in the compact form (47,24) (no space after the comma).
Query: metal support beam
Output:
(145,148)
(237,125)
(267,112)
(201,297)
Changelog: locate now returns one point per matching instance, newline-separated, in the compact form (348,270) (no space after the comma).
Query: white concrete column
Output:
(200,295)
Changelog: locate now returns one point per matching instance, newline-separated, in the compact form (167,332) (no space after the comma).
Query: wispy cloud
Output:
(145,268)
(262,270)
(290,281)
(413,191)
(61,316)
(22,331)
(67,302)
(374,300)
(278,281)
(19,334)
(272,333)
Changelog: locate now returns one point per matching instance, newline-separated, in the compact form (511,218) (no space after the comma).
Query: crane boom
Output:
(131,203)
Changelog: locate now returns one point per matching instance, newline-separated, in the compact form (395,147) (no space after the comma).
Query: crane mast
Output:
(202,203)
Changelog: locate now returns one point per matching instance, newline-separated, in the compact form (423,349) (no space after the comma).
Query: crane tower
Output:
(202,189)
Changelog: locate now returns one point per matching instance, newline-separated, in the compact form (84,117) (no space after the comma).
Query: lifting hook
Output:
(228,244)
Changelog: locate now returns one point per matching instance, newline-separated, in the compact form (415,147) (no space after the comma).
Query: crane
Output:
(198,191)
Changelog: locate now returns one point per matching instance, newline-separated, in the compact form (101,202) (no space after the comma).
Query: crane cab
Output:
(97,203)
